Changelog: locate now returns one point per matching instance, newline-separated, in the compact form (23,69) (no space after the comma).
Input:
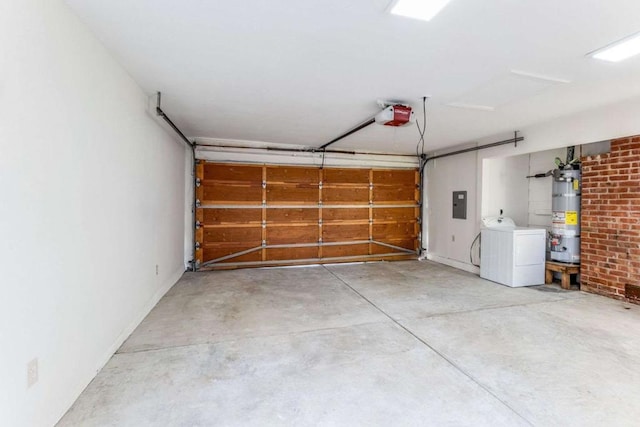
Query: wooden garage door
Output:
(254,215)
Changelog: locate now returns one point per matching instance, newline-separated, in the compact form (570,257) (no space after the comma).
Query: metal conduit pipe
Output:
(513,140)
(303,150)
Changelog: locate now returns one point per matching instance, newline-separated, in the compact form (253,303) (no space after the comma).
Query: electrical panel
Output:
(460,205)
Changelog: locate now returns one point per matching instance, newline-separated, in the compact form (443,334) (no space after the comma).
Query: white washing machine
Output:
(510,255)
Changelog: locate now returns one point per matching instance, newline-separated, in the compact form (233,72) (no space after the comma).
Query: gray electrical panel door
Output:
(460,204)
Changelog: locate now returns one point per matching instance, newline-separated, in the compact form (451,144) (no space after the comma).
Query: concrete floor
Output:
(404,344)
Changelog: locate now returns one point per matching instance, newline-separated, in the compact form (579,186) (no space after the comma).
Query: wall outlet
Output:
(32,372)
(157,269)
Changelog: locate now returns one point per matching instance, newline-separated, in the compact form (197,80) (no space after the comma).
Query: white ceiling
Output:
(304,71)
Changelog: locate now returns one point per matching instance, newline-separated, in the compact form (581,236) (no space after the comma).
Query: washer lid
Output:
(498,222)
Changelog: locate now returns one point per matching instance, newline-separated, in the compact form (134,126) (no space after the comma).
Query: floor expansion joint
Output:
(425,343)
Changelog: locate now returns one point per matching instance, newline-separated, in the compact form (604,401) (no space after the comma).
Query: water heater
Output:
(565,224)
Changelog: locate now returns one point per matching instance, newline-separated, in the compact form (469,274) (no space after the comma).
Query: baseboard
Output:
(168,284)
(454,263)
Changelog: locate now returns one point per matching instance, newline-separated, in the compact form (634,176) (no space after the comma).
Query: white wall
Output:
(449,239)
(92,197)
(594,125)
(506,188)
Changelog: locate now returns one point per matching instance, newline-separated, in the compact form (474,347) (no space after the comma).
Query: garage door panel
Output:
(216,252)
(345,250)
(233,234)
(345,214)
(232,173)
(281,254)
(348,195)
(230,216)
(285,215)
(409,244)
(220,193)
(395,214)
(345,176)
(287,175)
(300,212)
(302,194)
(394,230)
(391,194)
(345,233)
(395,177)
(279,234)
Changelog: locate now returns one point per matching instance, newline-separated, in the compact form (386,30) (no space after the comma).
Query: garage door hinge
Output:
(264,184)
(320,240)
(320,222)
(198,182)
(371,186)
(264,243)
(198,204)
(320,185)
(264,223)
(419,220)
(197,245)
(198,224)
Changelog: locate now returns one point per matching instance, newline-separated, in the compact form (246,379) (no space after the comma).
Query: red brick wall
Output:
(610,221)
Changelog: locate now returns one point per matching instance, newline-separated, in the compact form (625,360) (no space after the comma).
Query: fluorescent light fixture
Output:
(620,50)
(470,106)
(418,9)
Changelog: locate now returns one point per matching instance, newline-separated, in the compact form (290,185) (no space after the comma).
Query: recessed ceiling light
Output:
(620,50)
(418,9)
